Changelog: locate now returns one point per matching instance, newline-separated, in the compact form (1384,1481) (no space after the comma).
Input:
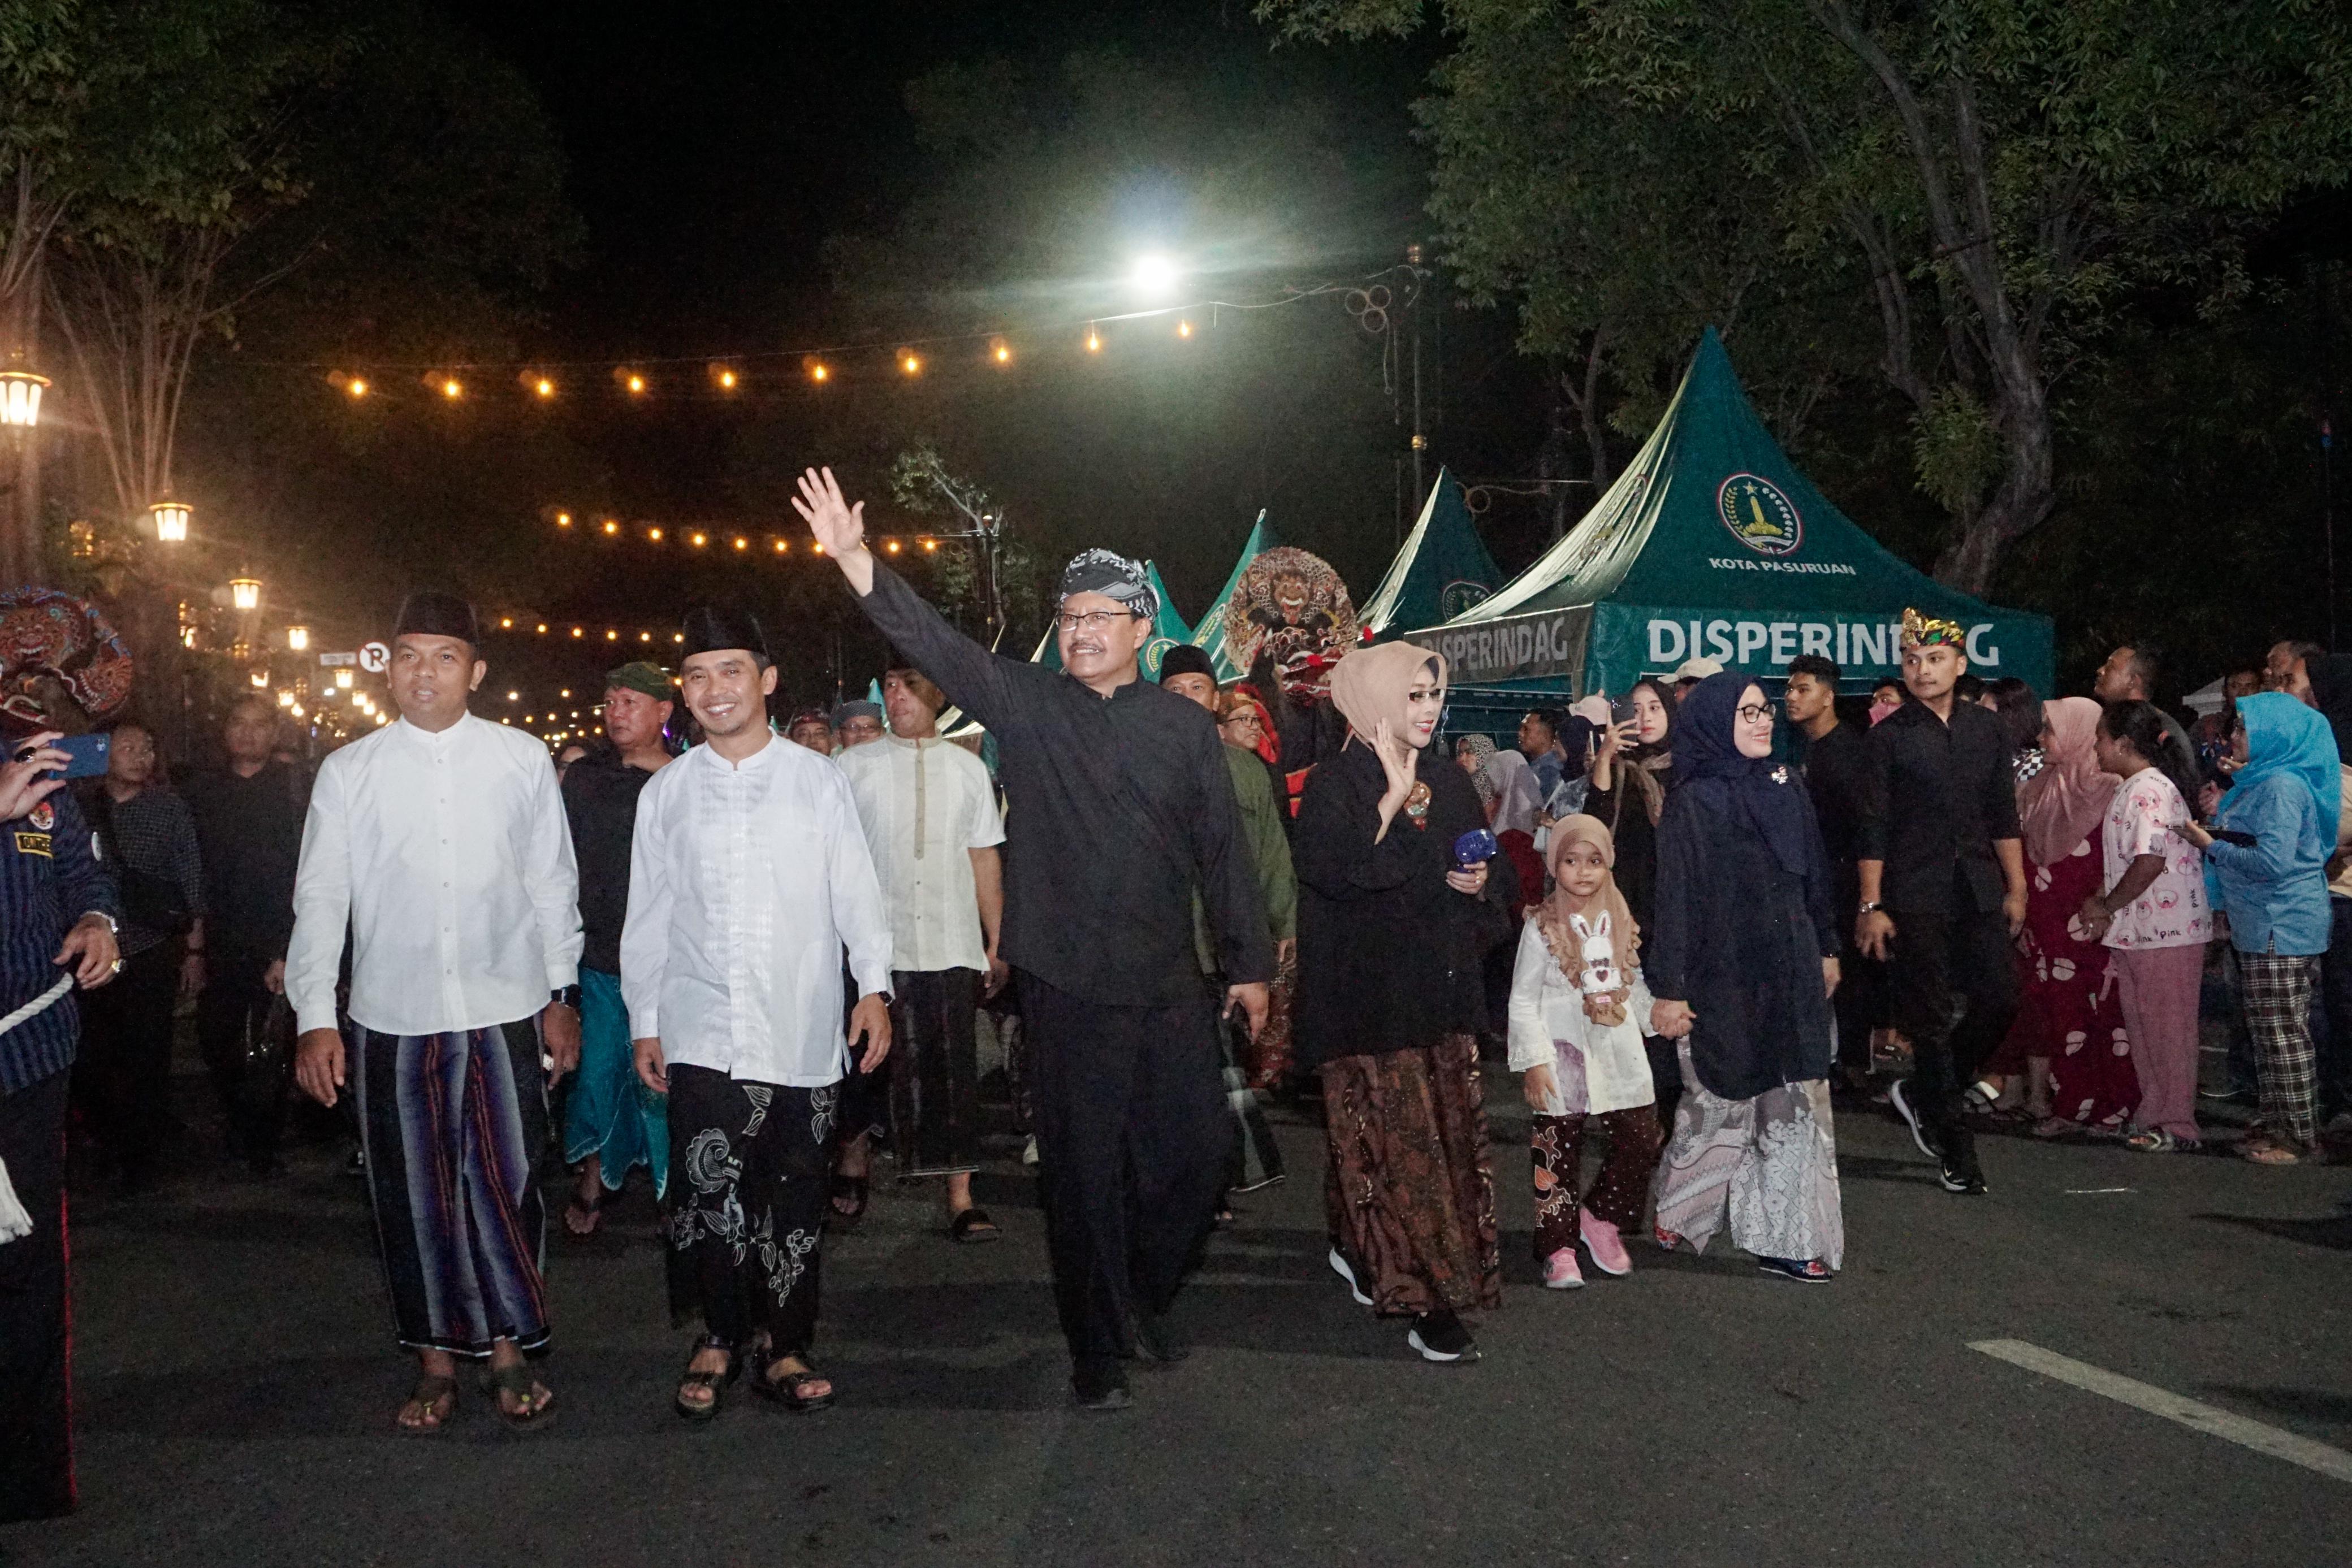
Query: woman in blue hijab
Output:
(2266,869)
(1742,955)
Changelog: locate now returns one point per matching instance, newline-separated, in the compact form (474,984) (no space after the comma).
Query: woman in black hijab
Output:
(1742,958)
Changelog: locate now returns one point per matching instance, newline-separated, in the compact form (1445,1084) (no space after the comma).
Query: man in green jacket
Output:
(1186,670)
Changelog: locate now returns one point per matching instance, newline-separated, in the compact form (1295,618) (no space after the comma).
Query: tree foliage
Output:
(2000,182)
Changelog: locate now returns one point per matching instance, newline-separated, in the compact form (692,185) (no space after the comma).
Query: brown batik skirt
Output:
(1410,1196)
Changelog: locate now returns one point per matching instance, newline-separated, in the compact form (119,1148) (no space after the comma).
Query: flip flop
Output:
(518,1381)
(429,1391)
(972,1226)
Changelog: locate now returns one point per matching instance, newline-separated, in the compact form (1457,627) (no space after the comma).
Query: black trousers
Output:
(123,1078)
(1133,1134)
(748,1184)
(1954,992)
(250,1079)
(36,1416)
(934,1068)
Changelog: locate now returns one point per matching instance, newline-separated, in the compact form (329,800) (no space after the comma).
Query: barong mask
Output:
(1291,607)
(54,646)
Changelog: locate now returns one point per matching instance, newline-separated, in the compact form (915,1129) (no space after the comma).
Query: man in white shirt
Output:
(747,879)
(441,841)
(929,814)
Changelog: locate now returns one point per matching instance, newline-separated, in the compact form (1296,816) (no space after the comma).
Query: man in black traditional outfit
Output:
(1943,887)
(1120,806)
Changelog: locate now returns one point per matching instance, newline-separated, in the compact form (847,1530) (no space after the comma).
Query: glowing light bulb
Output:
(1094,341)
(562,519)
(818,373)
(637,386)
(356,386)
(1002,352)
(1154,276)
(543,387)
(930,544)
(506,623)
(1184,328)
(727,380)
(452,387)
(782,546)
(654,534)
(742,543)
(611,526)
(912,363)
(891,544)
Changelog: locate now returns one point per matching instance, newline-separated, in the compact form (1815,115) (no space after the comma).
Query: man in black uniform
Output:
(1833,767)
(1943,887)
(250,839)
(1120,806)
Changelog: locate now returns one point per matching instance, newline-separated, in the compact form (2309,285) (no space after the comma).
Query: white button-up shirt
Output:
(926,805)
(448,855)
(746,881)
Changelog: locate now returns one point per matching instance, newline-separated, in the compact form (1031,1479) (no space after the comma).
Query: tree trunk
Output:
(2023,498)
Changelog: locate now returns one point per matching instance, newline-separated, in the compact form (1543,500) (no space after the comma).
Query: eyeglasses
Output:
(1753,713)
(1093,620)
(1249,720)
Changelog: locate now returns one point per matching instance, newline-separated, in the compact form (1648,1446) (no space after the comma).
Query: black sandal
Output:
(973,1225)
(518,1381)
(784,1388)
(853,1188)
(716,1382)
(428,1393)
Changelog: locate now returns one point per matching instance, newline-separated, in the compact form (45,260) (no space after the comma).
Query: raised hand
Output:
(1396,761)
(839,528)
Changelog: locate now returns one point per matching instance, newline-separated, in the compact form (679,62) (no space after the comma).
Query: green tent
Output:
(1211,632)
(1167,629)
(1443,570)
(1712,542)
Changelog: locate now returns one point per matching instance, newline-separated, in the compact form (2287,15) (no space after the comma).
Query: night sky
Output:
(712,150)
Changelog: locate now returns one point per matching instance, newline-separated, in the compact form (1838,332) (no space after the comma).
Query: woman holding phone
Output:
(1392,931)
(2266,866)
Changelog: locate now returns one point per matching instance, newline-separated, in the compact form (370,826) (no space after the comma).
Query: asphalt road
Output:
(237,1381)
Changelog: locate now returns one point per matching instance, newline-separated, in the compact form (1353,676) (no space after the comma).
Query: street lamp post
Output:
(20,417)
(171,521)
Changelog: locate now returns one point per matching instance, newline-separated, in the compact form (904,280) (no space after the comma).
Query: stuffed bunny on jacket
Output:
(1603,983)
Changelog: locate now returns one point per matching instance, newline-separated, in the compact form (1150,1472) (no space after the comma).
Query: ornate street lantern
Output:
(244,592)
(298,639)
(20,397)
(171,524)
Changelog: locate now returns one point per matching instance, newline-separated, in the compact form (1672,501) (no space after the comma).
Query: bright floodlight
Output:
(1155,277)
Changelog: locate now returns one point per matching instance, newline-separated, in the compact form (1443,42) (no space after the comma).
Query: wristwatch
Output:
(569,996)
(1870,906)
(114,926)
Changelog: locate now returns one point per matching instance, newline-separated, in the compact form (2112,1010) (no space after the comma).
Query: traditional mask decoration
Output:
(1292,605)
(49,636)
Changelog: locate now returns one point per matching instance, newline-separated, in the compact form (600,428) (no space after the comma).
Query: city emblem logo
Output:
(43,817)
(1457,597)
(1153,651)
(1759,515)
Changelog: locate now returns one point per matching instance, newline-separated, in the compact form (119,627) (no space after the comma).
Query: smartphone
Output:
(88,754)
(1621,713)
(2245,841)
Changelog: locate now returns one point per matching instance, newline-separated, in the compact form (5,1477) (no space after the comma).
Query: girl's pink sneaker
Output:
(1600,1239)
(1561,1272)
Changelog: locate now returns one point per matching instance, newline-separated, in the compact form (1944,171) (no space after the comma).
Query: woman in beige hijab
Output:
(1392,931)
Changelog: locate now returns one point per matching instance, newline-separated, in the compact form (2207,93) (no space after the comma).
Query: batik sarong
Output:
(1409,1195)
(1766,1164)
(748,1178)
(934,1068)
(609,1112)
(454,1124)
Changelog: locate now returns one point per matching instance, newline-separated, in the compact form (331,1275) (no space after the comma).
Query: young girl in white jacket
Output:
(1579,1011)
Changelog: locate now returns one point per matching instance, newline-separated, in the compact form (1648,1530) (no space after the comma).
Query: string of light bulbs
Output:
(747,542)
(548,380)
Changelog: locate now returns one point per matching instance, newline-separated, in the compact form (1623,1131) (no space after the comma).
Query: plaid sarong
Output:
(2277,995)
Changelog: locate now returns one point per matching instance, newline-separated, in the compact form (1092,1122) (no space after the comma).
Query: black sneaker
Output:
(1440,1336)
(1154,1345)
(1099,1385)
(1347,1270)
(1961,1174)
(1899,1095)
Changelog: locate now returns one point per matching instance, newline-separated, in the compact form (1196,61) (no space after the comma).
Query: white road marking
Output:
(2248,1434)
(2080,1191)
